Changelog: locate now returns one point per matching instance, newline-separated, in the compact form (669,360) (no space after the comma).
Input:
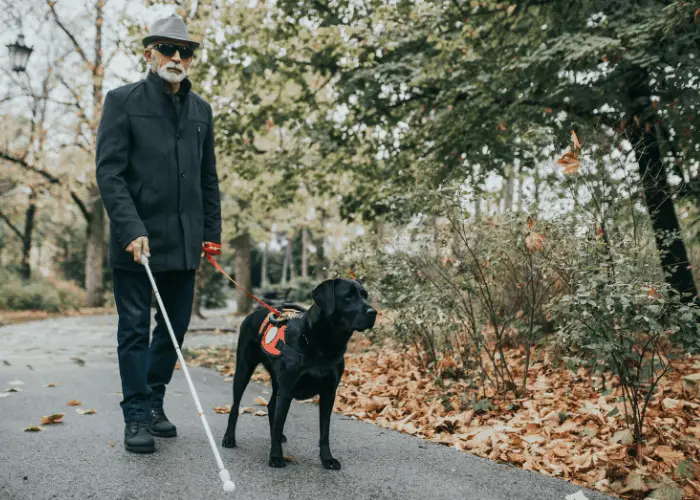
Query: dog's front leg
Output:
(282,404)
(327,399)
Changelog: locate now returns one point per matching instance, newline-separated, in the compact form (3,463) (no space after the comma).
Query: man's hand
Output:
(138,247)
(211,248)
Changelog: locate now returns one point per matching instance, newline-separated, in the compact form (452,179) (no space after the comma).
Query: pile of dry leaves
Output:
(564,428)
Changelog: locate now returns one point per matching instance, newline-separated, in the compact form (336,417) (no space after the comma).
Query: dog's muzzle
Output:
(366,320)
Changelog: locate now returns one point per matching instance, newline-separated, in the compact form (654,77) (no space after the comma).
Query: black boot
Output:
(138,438)
(161,426)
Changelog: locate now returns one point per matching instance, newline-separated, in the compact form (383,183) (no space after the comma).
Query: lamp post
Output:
(19,54)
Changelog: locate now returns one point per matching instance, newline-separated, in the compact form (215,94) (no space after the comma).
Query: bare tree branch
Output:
(75,96)
(51,178)
(78,48)
(11,225)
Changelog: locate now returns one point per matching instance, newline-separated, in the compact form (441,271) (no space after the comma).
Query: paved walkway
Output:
(84,458)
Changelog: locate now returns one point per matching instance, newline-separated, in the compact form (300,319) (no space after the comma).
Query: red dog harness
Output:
(272,338)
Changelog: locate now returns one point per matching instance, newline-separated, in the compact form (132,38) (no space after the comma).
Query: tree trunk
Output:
(509,189)
(292,268)
(304,253)
(667,231)
(319,243)
(658,193)
(285,264)
(263,272)
(95,251)
(477,207)
(26,267)
(242,259)
(519,203)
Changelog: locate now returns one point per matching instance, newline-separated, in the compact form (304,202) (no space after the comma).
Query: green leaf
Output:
(685,469)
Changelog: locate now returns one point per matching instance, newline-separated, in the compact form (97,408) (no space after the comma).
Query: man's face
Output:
(172,68)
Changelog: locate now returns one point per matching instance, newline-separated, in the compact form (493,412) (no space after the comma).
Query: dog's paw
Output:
(330,464)
(277,462)
(228,442)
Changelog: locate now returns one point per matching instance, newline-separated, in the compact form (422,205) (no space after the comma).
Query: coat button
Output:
(182,174)
(179,137)
(182,213)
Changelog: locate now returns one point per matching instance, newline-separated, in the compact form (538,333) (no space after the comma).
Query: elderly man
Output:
(156,173)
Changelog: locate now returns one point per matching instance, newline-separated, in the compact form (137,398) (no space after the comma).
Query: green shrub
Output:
(50,295)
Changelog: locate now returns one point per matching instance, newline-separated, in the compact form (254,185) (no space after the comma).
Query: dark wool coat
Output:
(156,173)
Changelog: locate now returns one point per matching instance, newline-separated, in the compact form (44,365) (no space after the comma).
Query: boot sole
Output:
(164,434)
(140,449)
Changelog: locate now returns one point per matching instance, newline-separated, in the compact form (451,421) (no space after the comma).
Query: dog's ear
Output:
(324,296)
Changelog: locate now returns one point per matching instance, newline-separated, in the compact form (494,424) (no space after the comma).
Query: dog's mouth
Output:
(364,323)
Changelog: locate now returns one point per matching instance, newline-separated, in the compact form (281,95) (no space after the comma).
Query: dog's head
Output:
(344,304)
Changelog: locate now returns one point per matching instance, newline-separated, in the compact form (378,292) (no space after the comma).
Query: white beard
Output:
(167,75)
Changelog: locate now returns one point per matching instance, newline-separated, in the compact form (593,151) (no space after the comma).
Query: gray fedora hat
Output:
(169,28)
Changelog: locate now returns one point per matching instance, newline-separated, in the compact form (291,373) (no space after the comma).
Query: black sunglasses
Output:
(168,50)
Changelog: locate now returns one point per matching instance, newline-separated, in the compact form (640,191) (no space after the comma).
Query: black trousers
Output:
(146,369)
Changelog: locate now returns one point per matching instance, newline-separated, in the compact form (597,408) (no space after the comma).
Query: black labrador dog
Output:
(304,357)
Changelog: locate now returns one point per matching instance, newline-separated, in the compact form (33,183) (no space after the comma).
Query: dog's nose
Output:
(371,312)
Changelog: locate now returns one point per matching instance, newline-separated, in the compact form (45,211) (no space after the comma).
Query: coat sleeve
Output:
(210,188)
(112,160)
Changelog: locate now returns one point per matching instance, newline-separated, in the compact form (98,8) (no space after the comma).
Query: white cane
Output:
(229,485)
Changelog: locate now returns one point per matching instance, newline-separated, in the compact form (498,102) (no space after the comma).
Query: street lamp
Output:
(19,54)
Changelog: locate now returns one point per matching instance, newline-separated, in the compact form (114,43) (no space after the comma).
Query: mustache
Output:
(173,65)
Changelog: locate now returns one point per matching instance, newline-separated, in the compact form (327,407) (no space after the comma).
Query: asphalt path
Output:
(84,457)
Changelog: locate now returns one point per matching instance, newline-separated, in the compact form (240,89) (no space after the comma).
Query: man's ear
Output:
(324,296)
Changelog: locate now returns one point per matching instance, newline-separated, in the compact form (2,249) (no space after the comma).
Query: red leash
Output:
(215,249)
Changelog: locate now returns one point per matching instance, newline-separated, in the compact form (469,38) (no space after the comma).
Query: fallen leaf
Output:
(531,222)
(534,241)
(228,379)
(260,413)
(685,470)
(111,443)
(668,453)
(290,458)
(33,428)
(52,384)
(260,401)
(247,409)
(574,140)
(570,162)
(668,491)
(672,404)
(56,418)
(223,409)
(624,437)
(13,389)
(635,482)
(80,411)
(74,402)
